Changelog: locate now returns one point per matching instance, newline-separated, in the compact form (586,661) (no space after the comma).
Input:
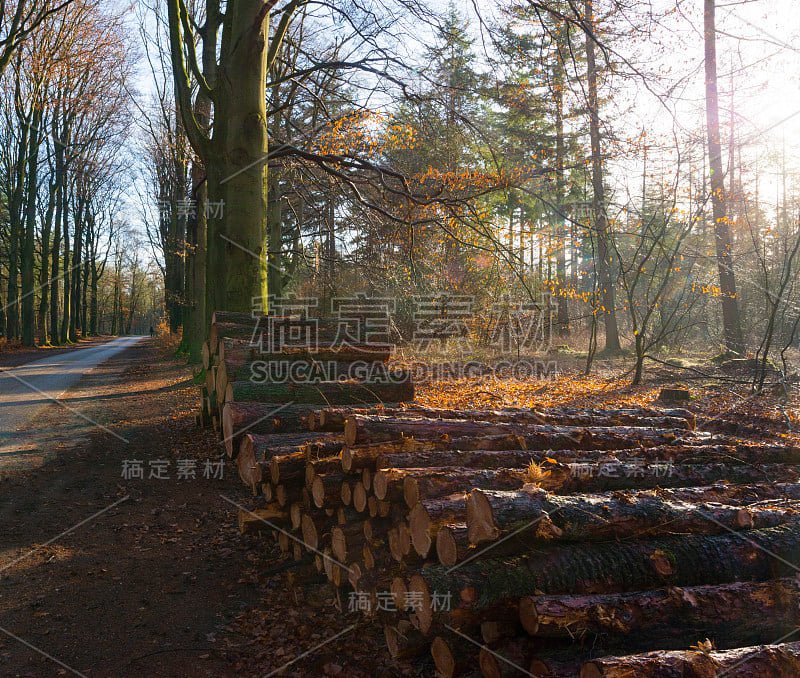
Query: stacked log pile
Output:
(523,542)
(262,373)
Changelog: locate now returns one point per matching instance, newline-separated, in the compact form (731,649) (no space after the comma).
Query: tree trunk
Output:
(237,167)
(15,219)
(562,316)
(44,270)
(598,191)
(734,341)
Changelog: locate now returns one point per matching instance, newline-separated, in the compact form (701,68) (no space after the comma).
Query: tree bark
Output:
(363,429)
(678,617)
(320,393)
(598,190)
(334,418)
(531,513)
(761,661)
(734,340)
(591,476)
(687,560)
(261,418)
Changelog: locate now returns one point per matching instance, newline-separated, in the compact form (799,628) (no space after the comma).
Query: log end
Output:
(274,471)
(488,663)
(359,497)
(354,574)
(399,591)
(744,518)
(446,547)
(380,484)
(420,592)
(318,492)
(591,670)
(310,533)
(347,494)
(339,543)
(480,521)
(528,616)
(410,491)
(443,657)
(346,455)
(350,432)
(419,524)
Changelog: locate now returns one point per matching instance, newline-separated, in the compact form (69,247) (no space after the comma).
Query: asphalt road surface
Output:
(27,389)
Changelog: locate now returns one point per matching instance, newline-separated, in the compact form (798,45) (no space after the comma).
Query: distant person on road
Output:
(152,331)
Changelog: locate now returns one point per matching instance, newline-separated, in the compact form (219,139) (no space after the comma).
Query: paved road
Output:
(26,389)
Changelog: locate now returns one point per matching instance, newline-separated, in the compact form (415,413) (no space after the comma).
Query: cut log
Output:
(359,497)
(725,493)
(326,490)
(265,447)
(361,429)
(312,528)
(249,469)
(687,560)
(616,475)
(403,641)
(678,617)
(531,514)
(388,485)
(296,515)
(347,541)
(759,661)
(288,468)
(320,393)
(729,453)
(517,451)
(240,350)
(429,515)
(322,466)
(347,493)
(453,656)
(421,484)
(260,418)
(479,459)
(452,543)
(333,419)
(291,369)
(287,494)
(510,659)
(259,520)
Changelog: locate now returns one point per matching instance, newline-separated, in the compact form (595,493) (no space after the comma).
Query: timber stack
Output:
(546,543)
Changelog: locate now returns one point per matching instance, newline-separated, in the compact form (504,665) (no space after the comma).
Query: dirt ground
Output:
(106,576)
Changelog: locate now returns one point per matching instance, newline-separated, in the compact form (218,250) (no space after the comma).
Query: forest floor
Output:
(106,576)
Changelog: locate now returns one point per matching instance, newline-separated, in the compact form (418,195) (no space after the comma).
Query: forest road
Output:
(27,389)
